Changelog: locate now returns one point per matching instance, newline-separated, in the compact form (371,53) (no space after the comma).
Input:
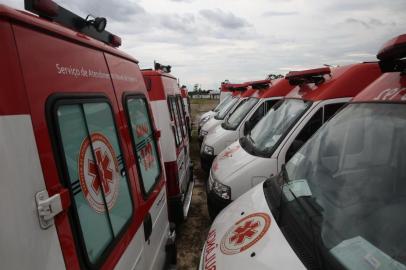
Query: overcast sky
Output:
(208,41)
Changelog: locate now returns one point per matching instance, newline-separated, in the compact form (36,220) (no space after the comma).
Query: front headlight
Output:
(220,189)
(204,120)
(203,133)
(208,150)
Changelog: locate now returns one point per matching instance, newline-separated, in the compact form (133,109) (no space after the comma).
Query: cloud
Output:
(224,19)
(371,23)
(118,10)
(279,13)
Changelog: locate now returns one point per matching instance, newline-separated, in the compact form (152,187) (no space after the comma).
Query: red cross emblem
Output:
(98,170)
(101,172)
(245,233)
(248,230)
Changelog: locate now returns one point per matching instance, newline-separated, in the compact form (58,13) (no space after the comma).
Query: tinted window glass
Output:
(145,144)
(96,173)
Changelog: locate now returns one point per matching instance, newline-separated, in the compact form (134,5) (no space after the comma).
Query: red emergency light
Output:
(392,54)
(261,84)
(308,76)
(94,27)
(393,49)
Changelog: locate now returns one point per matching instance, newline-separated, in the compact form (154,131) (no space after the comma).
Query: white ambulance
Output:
(168,110)
(236,91)
(83,186)
(340,202)
(318,94)
(206,152)
(246,116)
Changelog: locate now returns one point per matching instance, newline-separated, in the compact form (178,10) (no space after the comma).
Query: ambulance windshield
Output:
(235,118)
(274,125)
(224,110)
(351,176)
(223,103)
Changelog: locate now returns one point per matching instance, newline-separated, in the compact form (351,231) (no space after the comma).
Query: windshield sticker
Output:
(358,253)
(100,174)
(299,188)
(245,233)
(210,251)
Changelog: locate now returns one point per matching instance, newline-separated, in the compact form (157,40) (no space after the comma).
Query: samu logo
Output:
(392,94)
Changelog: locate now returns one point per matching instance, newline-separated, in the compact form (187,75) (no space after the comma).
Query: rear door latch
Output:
(49,207)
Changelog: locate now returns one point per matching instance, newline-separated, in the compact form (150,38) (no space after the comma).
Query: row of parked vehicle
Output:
(309,171)
(94,160)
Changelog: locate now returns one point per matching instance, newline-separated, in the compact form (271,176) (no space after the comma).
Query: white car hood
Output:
(211,124)
(219,138)
(230,160)
(245,236)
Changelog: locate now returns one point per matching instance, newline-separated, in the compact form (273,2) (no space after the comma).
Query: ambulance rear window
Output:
(95,173)
(144,142)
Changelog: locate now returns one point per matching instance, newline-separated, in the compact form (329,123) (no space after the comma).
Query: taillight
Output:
(172,178)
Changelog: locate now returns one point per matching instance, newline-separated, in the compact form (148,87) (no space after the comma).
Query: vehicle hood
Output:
(219,138)
(211,124)
(230,160)
(245,236)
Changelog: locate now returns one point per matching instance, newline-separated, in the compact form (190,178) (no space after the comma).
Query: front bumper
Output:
(206,161)
(215,203)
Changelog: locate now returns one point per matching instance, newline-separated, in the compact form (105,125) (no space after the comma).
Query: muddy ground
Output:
(192,234)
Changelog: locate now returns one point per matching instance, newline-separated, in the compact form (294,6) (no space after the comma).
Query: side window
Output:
(314,123)
(269,104)
(182,116)
(331,109)
(176,130)
(148,161)
(94,173)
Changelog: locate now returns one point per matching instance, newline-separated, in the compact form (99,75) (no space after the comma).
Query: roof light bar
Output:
(393,49)
(307,76)
(261,84)
(93,28)
(391,55)
(158,66)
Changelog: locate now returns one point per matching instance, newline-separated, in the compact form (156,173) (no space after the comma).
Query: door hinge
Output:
(49,207)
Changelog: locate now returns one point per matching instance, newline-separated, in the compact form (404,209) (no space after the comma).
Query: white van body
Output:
(219,138)
(266,248)
(242,165)
(240,170)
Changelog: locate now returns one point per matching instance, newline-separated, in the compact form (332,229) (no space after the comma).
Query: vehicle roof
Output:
(53,28)
(390,87)
(278,88)
(159,87)
(345,81)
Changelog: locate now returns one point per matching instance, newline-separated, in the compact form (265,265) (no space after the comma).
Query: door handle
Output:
(147,227)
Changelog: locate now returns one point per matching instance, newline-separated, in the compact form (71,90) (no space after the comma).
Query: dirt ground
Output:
(192,234)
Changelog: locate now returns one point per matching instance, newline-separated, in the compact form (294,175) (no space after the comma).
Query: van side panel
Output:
(12,96)
(55,66)
(23,245)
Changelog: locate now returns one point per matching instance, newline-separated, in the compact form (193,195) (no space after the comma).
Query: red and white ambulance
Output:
(250,111)
(206,152)
(340,202)
(318,94)
(83,185)
(205,117)
(168,110)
